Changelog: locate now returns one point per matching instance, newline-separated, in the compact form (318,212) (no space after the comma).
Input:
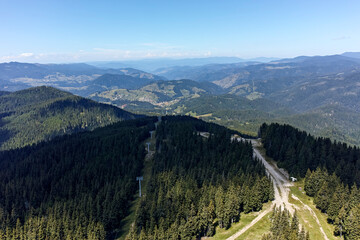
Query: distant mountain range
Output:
(319,94)
(152,65)
(351,54)
(76,78)
(209,72)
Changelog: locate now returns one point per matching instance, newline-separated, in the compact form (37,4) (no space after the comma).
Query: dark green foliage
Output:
(340,203)
(41,113)
(114,81)
(297,151)
(285,227)
(198,183)
(352,224)
(331,121)
(74,187)
(331,168)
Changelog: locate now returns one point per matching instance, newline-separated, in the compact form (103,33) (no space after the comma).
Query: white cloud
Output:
(26,55)
(104,54)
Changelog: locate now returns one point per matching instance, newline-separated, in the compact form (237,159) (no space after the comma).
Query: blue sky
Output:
(87,30)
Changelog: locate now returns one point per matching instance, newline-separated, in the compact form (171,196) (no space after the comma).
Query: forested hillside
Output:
(80,186)
(297,151)
(198,183)
(74,187)
(41,113)
(331,171)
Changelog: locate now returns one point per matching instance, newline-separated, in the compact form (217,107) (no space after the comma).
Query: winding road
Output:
(281,189)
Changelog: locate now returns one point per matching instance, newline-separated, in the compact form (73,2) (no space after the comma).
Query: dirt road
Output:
(281,183)
(281,190)
(313,214)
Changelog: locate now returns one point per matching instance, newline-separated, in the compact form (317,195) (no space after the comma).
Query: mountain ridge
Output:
(41,113)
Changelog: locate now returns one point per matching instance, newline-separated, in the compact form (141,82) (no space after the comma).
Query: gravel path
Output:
(281,190)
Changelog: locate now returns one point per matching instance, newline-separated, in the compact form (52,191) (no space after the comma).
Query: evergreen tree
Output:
(352,224)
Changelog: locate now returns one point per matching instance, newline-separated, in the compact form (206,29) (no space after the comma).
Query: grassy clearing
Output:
(245,219)
(126,222)
(205,115)
(224,234)
(305,216)
(258,230)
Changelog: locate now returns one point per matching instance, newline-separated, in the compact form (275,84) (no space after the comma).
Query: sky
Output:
(86,30)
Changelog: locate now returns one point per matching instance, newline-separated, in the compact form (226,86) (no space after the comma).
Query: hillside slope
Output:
(81,186)
(76,77)
(76,186)
(333,120)
(341,88)
(41,113)
(160,93)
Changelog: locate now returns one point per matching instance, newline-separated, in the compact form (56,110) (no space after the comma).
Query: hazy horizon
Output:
(84,31)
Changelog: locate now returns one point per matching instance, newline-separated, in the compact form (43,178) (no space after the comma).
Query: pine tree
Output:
(337,202)
(352,224)
(295,224)
(302,234)
(339,222)
(323,197)
(219,206)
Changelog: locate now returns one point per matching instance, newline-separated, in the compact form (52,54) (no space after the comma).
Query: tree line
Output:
(297,151)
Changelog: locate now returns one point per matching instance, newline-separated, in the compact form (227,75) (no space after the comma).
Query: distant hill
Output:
(210,104)
(12,86)
(41,113)
(140,74)
(343,89)
(274,76)
(153,64)
(255,80)
(13,70)
(235,112)
(209,72)
(333,121)
(3,93)
(351,54)
(112,81)
(76,78)
(302,83)
(160,93)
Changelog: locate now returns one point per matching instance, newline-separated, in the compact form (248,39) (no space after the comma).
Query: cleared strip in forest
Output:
(129,220)
(281,190)
(313,214)
(252,223)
